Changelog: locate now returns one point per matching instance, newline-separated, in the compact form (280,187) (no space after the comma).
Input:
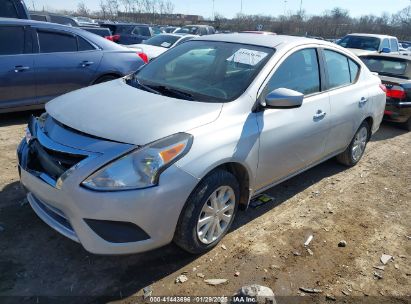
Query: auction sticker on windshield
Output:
(249,57)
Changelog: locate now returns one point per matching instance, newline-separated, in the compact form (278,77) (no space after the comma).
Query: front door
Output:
(293,139)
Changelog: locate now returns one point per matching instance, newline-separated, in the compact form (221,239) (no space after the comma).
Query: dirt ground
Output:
(368,206)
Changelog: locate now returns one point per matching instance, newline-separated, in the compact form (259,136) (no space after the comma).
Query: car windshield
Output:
(360,42)
(386,66)
(165,41)
(205,71)
(188,30)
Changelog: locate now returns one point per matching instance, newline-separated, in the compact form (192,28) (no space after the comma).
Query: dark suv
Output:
(130,33)
(13,9)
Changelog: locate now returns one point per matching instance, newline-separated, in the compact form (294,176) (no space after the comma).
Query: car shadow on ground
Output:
(388,130)
(46,255)
(17,118)
(36,261)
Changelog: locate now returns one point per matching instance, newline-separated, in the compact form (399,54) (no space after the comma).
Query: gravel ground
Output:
(368,206)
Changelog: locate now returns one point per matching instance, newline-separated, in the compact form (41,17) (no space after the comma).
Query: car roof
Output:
(371,35)
(272,41)
(101,42)
(125,23)
(180,35)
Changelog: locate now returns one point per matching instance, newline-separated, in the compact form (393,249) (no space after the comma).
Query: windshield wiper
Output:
(145,87)
(175,92)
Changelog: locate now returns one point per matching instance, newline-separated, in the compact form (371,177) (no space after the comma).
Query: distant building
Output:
(178,19)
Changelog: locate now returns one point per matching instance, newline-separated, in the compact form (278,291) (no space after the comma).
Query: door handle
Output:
(319,115)
(86,63)
(20,68)
(363,101)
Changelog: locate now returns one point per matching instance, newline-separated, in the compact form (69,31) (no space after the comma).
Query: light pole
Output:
(301,7)
(213,11)
(241,10)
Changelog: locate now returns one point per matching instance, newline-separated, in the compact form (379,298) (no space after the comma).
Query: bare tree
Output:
(82,9)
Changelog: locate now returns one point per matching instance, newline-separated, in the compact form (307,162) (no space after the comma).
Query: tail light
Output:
(114,38)
(396,92)
(143,56)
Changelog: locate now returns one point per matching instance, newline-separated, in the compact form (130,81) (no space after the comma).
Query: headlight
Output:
(142,167)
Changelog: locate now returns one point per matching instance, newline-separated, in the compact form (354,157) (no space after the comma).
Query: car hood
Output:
(150,50)
(360,52)
(119,112)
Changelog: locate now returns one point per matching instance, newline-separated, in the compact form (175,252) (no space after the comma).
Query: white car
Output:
(365,44)
(171,152)
(159,44)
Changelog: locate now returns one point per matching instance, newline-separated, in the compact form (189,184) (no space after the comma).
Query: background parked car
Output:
(171,29)
(395,74)
(13,9)
(157,45)
(62,59)
(200,30)
(129,33)
(363,44)
(54,18)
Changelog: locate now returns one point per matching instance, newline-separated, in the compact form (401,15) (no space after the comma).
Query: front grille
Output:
(51,162)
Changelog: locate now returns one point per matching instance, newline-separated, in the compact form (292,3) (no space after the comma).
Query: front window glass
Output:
(360,42)
(299,72)
(205,70)
(14,35)
(165,41)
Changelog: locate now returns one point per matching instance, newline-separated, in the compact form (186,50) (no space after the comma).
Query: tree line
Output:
(334,23)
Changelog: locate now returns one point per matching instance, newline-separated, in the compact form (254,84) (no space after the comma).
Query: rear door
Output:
(17,84)
(348,99)
(65,62)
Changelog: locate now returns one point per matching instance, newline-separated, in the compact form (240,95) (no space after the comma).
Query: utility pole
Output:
(213,11)
(301,8)
(241,10)
(285,7)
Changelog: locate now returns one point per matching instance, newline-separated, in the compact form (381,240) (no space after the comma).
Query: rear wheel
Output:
(209,213)
(352,155)
(407,124)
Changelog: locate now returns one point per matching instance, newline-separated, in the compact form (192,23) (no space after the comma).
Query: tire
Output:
(349,157)
(407,124)
(105,79)
(189,233)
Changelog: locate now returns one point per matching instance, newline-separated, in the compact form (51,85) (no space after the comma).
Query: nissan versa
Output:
(170,152)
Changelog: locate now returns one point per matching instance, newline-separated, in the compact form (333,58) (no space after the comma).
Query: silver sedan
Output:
(170,152)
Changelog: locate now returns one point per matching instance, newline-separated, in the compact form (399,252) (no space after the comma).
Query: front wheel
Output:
(352,155)
(209,213)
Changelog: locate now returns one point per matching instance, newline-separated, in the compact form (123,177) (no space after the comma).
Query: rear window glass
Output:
(38,17)
(14,35)
(84,45)
(142,31)
(119,29)
(63,20)
(386,66)
(360,42)
(56,42)
(7,9)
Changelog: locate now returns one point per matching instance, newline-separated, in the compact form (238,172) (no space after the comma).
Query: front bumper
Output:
(397,111)
(69,208)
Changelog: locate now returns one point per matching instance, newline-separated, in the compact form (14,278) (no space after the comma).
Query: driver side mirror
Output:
(386,50)
(283,98)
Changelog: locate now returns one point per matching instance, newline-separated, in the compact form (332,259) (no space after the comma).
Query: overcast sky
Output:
(229,8)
